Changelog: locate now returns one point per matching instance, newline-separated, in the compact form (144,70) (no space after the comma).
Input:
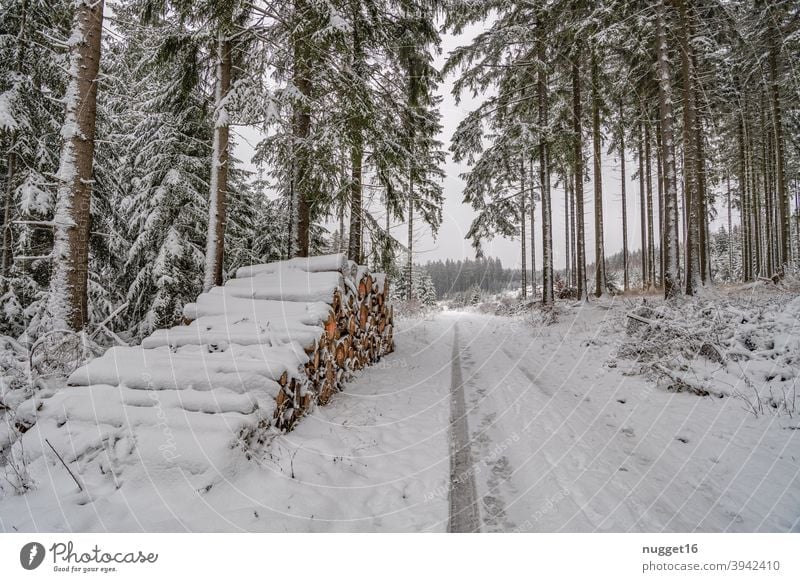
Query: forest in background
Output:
(462,277)
(122,199)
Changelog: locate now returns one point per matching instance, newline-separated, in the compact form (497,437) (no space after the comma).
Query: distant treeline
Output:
(452,277)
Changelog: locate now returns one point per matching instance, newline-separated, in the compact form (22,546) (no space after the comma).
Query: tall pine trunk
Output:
(730,226)
(534,290)
(68,301)
(410,260)
(220,160)
(692,194)
(766,173)
(670,238)
(659,281)
(571,230)
(777,116)
(6,233)
(578,153)
(567,237)
(744,208)
(355,246)
(755,202)
(599,243)
(544,178)
(301,128)
(702,210)
(523,239)
(651,248)
(6,254)
(643,207)
(623,193)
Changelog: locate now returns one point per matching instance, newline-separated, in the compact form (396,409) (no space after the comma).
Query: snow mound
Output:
(722,346)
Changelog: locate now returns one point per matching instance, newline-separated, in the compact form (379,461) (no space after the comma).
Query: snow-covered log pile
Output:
(307,323)
(252,356)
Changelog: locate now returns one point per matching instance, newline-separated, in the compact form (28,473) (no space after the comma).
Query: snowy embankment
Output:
(569,435)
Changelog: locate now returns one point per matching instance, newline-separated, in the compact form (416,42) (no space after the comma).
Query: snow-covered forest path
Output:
(562,441)
(464,511)
(475,422)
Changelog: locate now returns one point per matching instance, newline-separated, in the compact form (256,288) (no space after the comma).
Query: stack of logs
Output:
(357,332)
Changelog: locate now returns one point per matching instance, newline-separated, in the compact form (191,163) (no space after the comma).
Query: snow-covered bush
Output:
(738,344)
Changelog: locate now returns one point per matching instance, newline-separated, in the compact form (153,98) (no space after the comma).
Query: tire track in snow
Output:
(464,512)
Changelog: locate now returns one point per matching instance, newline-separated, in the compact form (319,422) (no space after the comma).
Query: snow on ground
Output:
(368,461)
(566,435)
(566,443)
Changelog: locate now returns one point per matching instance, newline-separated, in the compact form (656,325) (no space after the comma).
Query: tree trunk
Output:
(523,239)
(344,244)
(730,227)
(651,248)
(68,300)
(534,290)
(777,116)
(624,197)
(6,232)
(705,239)
(659,281)
(744,208)
(7,255)
(755,203)
(355,247)
(670,239)
(700,165)
(766,166)
(643,207)
(599,244)
(301,180)
(571,231)
(567,241)
(692,194)
(386,263)
(544,179)
(578,137)
(797,223)
(410,262)
(217,201)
